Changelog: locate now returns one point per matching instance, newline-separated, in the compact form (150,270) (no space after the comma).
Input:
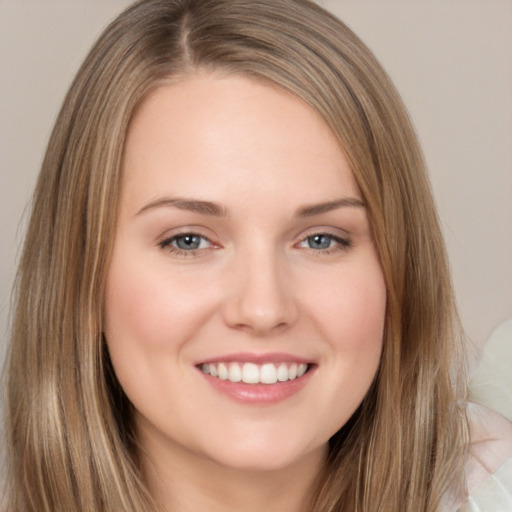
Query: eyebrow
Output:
(191,205)
(210,208)
(317,209)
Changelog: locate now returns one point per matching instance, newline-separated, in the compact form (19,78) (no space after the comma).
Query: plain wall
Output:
(450,59)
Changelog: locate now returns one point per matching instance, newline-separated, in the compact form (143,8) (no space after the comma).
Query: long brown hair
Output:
(69,431)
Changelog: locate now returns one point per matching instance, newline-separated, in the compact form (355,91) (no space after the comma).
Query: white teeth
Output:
(250,373)
(268,374)
(282,373)
(235,372)
(223,371)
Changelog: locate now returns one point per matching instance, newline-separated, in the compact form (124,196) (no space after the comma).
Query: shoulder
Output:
(489,466)
(491,443)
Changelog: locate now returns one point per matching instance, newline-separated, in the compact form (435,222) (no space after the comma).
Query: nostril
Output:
(260,319)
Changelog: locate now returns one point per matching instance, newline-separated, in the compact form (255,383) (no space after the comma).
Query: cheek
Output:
(134,309)
(363,329)
(135,323)
(150,316)
(147,306)
(352,313)
(352,318)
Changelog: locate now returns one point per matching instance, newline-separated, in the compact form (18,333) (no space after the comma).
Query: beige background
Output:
(451,60)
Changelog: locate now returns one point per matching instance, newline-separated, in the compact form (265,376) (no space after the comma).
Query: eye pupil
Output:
(188,242)
(319,242)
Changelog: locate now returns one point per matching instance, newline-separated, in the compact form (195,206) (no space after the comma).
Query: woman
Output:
(234,292)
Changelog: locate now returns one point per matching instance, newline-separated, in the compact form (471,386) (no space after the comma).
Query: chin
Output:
(254,456)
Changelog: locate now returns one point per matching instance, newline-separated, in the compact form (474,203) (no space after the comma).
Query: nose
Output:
(260,300)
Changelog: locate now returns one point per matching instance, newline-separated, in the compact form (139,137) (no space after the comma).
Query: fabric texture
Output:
(495,494)
(489,470)
(491,383)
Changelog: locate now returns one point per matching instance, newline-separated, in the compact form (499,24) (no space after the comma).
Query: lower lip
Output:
(259,394)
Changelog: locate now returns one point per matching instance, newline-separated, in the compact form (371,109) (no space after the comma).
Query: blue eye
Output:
(324,242)
(186,242)
(319,242)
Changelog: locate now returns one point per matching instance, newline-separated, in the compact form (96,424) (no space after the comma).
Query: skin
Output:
(255,285)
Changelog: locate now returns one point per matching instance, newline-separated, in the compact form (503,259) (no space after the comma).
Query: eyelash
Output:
(341,244)
(166,244)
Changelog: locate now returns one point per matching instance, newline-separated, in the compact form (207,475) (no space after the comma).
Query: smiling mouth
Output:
(251,373)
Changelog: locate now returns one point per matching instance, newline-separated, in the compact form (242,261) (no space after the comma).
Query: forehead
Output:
(209,132)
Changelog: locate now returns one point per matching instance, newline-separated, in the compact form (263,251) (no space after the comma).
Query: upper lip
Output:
(247,357)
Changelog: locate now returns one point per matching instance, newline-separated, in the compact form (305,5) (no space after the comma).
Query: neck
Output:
(185,482)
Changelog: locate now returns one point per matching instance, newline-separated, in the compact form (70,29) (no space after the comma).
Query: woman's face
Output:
(243,251)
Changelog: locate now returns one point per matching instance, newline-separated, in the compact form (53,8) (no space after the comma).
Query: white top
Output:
(495,494)
(489,469)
